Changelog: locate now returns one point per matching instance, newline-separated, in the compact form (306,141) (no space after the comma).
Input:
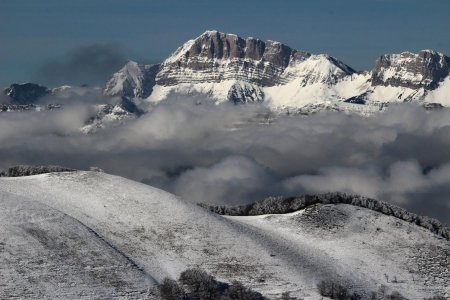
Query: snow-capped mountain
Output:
(217,57)
(95,235)
(222,67)
(225,67)
(425,69)
(111,115)
(133,81)
(29,97)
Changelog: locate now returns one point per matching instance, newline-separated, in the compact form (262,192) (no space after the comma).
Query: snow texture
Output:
(225,67)
(96,235)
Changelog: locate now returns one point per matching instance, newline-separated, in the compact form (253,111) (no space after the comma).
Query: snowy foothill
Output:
(90,233)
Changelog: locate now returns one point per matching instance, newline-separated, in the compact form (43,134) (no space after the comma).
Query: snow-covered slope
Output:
(47,254)
(225,67)
(364,240)
(441,94)
(59,223)
(132,81)
(111,115)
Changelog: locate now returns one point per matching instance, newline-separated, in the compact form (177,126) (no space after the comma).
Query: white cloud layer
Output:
(228,154)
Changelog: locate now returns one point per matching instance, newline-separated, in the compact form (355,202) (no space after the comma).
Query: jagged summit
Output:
(26,93)
(424,69)
(219,45)
(216,56)
(226,67)
(133,80)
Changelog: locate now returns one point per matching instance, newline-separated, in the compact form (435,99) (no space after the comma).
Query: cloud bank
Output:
(232,155)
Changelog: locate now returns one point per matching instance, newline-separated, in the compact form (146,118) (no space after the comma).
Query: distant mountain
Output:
(133,81)
(222,67)
(217,57)
(425,69)
(111,114)
(26,93)
(25,98)
(225,67)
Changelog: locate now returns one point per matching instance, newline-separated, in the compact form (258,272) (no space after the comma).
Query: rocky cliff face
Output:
(216,57)
(225,67)
(422,70)
(26,93)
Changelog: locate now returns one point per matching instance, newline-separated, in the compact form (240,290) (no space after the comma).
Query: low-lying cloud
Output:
(231,154)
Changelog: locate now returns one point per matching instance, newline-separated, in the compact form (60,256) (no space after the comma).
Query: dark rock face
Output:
(149,81)
(423,70)
(216,56)
(245,93)
(255,49)
(282,205)
(27,107)
(24,170)
(360,99)
(433,106)
(26,93)
(129,106)
(16,107)
(218,45)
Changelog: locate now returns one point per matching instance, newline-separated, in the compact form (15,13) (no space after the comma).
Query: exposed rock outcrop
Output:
(215,56)
(225,67)
(422,70)
(26,93)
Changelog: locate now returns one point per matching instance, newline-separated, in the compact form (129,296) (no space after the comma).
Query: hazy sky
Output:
(34,33)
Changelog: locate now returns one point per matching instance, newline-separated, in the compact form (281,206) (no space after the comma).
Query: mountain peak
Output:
(211,33)
(216,56)
(224,66)
(26,93)
(424,69)
(132,81)
(131,64)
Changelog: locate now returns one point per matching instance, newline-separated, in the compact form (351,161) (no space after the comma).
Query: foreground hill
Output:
(89,234)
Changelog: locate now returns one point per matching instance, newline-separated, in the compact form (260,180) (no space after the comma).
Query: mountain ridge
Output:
(283,205)
(225,67)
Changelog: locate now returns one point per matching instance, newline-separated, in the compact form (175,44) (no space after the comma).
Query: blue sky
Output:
(32,32)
